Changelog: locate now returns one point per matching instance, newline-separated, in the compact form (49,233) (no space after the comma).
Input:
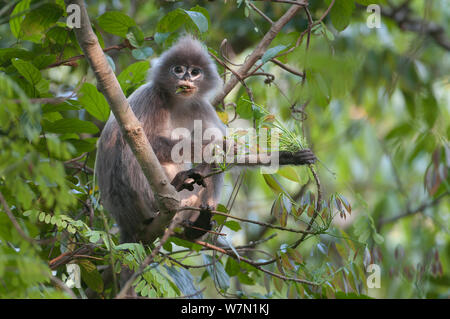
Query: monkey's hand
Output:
(187,180)
(302,157)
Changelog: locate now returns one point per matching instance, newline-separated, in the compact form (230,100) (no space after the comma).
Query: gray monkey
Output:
(183,81)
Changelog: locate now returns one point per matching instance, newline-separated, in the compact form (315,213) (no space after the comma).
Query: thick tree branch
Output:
(131,128)
(259,51)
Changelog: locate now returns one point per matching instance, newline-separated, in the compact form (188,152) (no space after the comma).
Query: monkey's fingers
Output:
(305,156)
(180,181)
(198,178)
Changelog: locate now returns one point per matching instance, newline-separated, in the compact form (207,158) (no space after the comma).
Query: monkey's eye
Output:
(179,70)
(195,72)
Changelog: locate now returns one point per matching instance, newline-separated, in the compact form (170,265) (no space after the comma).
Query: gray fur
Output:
(125,192)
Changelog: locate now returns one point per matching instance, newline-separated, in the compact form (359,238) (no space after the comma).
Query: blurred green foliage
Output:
(374,107)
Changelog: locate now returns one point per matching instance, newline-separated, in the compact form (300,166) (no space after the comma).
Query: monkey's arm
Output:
(187,179)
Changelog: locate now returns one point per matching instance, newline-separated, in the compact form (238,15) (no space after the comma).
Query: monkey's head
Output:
(186,71)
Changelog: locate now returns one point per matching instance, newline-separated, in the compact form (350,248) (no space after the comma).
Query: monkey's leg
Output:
(201,225)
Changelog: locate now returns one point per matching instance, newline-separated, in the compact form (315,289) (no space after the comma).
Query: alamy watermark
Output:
(74,18)
(374,19)
(234,146)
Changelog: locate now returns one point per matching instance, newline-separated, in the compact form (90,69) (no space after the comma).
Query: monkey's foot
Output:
(201,225)
(302,157)
(181,180)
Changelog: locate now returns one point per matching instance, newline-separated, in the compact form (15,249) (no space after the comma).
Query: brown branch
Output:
(72,61)
(259,51)
(288,68)
(408,212)
(166,195)
(262,14)
(256,265)
(214,212)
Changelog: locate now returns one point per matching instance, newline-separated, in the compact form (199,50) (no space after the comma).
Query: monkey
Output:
(182,82)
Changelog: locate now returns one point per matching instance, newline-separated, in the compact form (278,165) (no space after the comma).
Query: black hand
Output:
(179,181)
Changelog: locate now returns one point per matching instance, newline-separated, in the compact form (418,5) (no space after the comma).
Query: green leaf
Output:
(142,53)
(160,38)
(94,102)
(116,23)
(290,173)
(272,183)
(176,18)
(70,126)
(233,225)
(40,19)
(378,239)
(183,280)
(18,13)
(172,21)
(90,275)
(341,13)
(272,52)
(203,11)
(133,75)
(232,267)
(244,108)
(217,272)
(199,19)
(135,36)
(28,71)
(7,54)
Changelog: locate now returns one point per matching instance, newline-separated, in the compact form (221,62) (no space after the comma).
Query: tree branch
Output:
(259,51)
(408,213)
(131,128)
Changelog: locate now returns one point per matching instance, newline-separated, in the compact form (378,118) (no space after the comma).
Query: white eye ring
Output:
(179,70)
(195,72)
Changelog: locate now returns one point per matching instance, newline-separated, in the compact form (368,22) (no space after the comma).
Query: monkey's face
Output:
(187,79)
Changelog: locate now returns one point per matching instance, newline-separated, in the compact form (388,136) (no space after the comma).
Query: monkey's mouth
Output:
(185,88)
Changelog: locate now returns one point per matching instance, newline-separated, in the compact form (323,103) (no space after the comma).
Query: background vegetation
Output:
(372,103)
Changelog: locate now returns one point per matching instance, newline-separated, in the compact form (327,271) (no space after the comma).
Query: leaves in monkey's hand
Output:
(116,23)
